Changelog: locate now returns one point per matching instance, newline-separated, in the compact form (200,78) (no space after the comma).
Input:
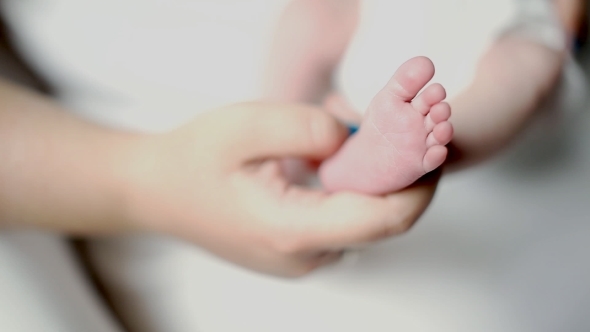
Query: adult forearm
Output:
(57,171)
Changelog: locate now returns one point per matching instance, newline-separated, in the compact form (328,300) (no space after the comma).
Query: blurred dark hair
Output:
(12,65)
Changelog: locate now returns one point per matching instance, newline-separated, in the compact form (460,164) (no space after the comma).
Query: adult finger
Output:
(345,220)
(263,131)
(339,107)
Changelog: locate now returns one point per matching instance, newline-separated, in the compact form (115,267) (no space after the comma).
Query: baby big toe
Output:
(410,78)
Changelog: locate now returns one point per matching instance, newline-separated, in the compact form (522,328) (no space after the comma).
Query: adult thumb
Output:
(268,130)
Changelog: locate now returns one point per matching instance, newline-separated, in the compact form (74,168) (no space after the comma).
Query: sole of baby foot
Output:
(402,137)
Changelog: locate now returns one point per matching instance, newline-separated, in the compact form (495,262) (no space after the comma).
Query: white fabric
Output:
(43,289)
(453,33)
(146,64)
(495,252)
(392,32)
(537,20)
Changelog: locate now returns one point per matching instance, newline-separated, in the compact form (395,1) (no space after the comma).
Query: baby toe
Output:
(431,140)
(432,95)
(429,123)
(443,132)
(440,112)
(434,157)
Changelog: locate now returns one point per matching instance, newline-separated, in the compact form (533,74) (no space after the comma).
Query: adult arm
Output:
(57,171)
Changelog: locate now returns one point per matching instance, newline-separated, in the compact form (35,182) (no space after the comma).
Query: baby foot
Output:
(401,138)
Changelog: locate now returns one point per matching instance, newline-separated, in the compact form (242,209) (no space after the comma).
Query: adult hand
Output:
(217,182)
